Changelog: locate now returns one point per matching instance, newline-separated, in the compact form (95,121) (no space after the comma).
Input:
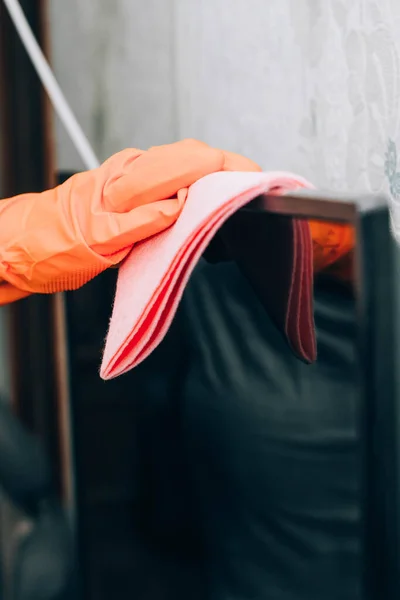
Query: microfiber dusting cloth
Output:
(153,277)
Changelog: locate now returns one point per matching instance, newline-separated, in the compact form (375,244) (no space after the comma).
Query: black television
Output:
(377,285)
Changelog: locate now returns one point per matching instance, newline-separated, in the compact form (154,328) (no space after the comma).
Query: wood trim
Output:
(38,345)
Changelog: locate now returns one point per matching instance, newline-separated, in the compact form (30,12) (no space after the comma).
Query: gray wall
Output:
(306,85)
(115,62)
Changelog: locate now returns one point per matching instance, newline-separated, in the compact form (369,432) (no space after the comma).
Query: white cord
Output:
(51,86)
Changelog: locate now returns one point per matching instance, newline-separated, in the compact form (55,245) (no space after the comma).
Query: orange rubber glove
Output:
(333,244)
(60,239)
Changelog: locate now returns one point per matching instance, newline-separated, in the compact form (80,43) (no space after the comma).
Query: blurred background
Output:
(309,86)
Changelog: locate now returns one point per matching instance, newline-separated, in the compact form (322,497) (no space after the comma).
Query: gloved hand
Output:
(332,247)
(60,239)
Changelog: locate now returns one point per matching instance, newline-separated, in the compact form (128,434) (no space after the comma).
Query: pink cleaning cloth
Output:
(153,277)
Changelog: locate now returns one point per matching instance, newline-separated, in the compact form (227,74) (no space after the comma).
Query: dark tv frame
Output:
(377,269)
